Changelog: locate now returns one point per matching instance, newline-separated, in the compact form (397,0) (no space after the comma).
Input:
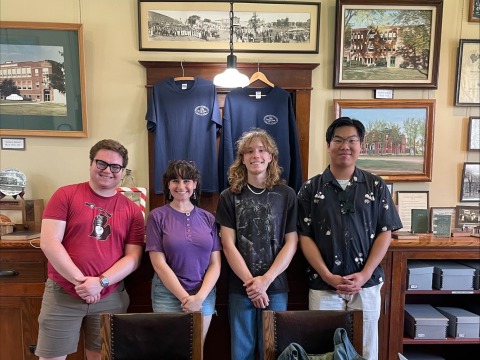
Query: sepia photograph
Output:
(257,27)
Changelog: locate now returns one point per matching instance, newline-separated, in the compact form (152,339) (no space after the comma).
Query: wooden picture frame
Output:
(474,11)
(42,63)
(263,27)
(137,194)
(467,216)
(470,183)
(376,43)
(442,211)
(408,200)
(473,142)
(398,144)
(467,87)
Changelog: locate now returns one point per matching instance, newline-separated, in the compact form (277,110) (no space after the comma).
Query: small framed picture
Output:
(474,11)
(470,182)
(442,211)
(467,216)
(474,133)
(137,194)
(408,200)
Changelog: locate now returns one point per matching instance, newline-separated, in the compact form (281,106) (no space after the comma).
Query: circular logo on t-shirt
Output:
(270,119)
(201,110)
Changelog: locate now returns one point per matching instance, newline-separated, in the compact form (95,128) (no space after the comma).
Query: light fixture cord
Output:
(231,28)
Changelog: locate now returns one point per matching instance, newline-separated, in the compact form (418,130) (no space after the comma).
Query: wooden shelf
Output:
(441,292)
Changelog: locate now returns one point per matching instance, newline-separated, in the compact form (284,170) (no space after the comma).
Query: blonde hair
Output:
(237,173)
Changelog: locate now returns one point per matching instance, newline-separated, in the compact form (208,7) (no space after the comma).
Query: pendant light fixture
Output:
(231,77)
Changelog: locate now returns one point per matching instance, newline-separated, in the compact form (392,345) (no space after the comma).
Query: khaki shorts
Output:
(62,317)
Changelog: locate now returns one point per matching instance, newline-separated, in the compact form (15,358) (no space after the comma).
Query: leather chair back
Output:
(151,336)
(312,329)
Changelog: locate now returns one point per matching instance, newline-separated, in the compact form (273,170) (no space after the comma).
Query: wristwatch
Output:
(104,281)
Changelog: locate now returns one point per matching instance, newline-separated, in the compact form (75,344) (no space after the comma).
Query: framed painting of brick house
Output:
(398,143)
(387,43)
(42,80)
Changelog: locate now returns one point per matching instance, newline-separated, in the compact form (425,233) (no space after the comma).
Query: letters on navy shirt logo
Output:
(201,110)
(270,119)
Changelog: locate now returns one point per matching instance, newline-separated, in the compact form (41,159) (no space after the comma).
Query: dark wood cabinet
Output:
(23,273)
(429,249)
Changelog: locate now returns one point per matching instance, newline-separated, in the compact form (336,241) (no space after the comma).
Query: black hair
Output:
(345,121)
(185,170)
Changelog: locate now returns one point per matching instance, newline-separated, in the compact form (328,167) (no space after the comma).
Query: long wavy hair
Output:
(237,173)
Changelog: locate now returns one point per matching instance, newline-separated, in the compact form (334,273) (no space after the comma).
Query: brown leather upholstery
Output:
(152,336)
(312,329)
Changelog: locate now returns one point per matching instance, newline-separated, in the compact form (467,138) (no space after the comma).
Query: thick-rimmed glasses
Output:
(102,165)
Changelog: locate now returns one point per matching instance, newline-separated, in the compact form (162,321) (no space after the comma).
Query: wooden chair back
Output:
(149,336)
(312,329)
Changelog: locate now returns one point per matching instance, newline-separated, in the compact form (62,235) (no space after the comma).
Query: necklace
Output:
(256,193)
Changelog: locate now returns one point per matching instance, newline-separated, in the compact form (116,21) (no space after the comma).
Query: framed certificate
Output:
(408,200)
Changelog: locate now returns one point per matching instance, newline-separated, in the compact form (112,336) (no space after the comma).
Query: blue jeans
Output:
(246,327)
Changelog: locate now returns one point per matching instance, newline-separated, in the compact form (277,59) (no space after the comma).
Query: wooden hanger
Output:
(183,77)
(260,77)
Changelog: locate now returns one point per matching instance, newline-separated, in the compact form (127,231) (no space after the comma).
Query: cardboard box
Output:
(449,275)
(461,323)
(475,264)
(423,321)
(419,275)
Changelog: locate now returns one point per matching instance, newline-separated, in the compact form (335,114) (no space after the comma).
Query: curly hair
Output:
(109,144)
(237,173)
(185,170)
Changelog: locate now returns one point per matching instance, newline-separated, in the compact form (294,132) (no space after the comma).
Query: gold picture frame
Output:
(398,144)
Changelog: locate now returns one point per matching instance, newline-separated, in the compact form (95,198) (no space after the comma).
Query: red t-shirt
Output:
(97,229)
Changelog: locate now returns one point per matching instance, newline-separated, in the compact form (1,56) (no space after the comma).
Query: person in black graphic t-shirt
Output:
(257,217)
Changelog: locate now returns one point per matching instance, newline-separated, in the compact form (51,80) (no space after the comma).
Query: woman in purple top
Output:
(184,247)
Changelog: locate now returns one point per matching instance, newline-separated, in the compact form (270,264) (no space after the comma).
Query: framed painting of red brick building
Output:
(398,143)
(387,43)
(42,81)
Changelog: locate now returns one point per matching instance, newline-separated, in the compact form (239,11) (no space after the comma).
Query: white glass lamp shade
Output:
(231,77)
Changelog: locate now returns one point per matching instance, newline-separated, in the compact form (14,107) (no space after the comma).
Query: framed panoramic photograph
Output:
(467,215)
(434,211)
(276,27)
(474,133)
(470,182)
(387,43)
(474,11)
(467,90)
(408,200)
(398,143)
(42,80)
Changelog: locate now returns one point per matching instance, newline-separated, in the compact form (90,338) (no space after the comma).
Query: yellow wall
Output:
(116,95)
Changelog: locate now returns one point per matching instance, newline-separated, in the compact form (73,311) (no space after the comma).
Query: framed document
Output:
(442,225)
(408,200)
(434,211)
(467,91)
(474,133)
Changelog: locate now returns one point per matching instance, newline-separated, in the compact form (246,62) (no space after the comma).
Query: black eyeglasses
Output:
(102,165)
(347,206)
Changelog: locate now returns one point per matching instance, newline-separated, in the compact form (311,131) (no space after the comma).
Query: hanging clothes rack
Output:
(183,77)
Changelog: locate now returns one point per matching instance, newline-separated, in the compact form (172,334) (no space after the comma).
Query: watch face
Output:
(104,281)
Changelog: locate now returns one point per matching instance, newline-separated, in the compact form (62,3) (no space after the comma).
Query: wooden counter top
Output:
(428,241)
(20,244)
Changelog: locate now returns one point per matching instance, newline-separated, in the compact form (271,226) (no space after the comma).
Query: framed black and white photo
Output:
(387,43)
(264,27)
(467,89)
(474,11)
(470,182)
(474,133)
(467,216)
(42,80)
